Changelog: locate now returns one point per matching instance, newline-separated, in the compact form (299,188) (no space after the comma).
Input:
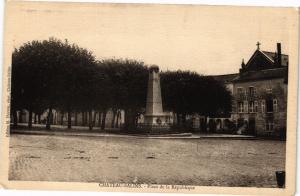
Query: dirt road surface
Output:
(202,162)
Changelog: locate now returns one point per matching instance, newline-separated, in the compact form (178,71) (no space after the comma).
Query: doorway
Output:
(251,130)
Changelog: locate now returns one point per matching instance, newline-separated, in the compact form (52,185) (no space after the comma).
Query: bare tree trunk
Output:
(82,118)
(62,118)
(126,120)
(103,120)
(94,118)
(15,119)
(118,117)
(69,119)
(100,118)
(75,120)
(35,118)
(178,119)
(90,120)
(30,119)
(39,119)
(136,120)
(129,124)
(183,118)
(54,119)
(85,118)
(113,118)
(48,124)
(175,116)
(205,124)
(20,116)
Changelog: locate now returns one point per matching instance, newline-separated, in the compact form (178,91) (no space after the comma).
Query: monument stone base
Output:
(154,130)
(155,125)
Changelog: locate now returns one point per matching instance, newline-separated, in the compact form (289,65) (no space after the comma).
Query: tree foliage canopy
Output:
(186,92)
(54,74)
(129,86)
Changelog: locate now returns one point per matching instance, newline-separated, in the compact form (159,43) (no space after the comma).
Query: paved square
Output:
(203,162)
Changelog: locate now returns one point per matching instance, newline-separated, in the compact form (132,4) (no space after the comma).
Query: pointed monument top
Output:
(154,68)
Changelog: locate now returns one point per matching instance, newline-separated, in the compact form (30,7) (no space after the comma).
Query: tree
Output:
(77,78)
(97,95)
(180,92)
(16,89)
(27,84)
(217,100)
(188,93)
(129,83)
(52,74)
(47,75)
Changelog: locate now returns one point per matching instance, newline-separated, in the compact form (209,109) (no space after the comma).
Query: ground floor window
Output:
(255,106)
(246,106)
(263,106)
(269,104)
(251,106)
(240,107)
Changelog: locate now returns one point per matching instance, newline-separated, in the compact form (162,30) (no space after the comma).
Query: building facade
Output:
(260,94)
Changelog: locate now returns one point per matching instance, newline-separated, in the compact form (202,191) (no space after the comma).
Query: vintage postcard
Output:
(149,98)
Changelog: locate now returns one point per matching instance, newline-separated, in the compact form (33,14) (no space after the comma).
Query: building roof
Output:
(225,78)
(272,56)
(261,66)
(264,60)
(262,74)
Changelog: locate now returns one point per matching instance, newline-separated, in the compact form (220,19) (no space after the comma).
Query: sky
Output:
(210,40)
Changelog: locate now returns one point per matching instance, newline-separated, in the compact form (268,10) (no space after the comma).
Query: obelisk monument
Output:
(155,121)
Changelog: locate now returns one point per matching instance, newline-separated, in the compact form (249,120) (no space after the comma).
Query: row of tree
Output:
(188,93)
(53,74)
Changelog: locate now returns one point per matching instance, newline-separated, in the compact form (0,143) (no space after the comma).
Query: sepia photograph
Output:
(150,97)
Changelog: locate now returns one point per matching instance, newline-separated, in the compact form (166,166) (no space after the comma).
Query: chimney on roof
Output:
(279,54)
(243,64)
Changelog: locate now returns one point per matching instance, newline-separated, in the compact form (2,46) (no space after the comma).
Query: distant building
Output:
(260,93)
(227,79)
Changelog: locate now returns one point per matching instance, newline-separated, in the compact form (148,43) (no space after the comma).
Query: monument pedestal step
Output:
(154,129)
(166,135)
